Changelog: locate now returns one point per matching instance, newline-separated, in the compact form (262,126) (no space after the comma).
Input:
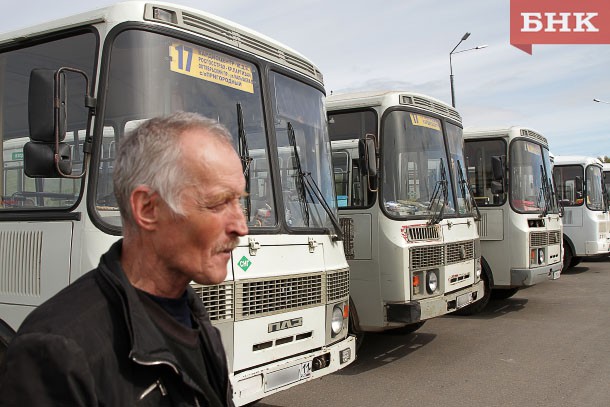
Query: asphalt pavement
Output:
(548,345)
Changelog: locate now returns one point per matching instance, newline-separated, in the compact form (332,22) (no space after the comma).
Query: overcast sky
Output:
(405,45)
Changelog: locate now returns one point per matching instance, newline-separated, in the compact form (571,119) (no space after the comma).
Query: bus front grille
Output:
(460,251)
(268,296)
(239,300)
(554,237)
(337,285)
(539,239)
(425,257)
(217,299)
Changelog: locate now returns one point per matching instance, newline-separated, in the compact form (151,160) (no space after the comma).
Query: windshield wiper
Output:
(307,182)
(297,162)
(465,185)
(545,193)
(246,160)
(439,188)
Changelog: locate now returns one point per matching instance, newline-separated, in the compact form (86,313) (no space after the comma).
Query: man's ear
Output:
(145,207)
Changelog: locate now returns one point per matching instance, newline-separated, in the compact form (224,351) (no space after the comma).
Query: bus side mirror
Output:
(497,172)
(39,160)
(578,185)
(47,127)
(497,168)
(41,109)
(367,152)
(371,157)
(497,187)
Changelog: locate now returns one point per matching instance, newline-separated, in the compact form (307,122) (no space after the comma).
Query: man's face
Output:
(198,245)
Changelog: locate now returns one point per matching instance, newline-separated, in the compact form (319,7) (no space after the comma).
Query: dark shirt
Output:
(184,342)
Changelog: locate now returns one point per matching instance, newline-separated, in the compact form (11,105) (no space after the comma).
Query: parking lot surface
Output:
(548,345)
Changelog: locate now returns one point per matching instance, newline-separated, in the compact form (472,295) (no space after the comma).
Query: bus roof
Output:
(182,18)
(576,160)
(516,131)
(391,98)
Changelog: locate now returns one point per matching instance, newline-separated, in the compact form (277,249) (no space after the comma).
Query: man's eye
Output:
(218,207)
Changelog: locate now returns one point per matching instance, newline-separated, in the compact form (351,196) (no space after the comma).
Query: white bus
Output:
(606,168)
(586,223)
(283,309)
(510,172)
(409,231)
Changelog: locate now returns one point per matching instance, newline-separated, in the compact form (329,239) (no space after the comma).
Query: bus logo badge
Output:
(289,323)
(244,263)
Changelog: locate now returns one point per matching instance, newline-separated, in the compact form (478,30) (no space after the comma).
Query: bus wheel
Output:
(575,261)
(354,326)
(503,293)
(567,256)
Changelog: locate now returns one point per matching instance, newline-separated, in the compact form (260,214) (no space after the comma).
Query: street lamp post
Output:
(464,37)
(601,101)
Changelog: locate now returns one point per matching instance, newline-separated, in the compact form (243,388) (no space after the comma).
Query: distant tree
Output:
(604,159)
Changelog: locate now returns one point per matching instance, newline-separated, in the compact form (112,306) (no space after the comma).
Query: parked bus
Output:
(586,223)
(606,168)
(283,310)
(407,215)
(510,172)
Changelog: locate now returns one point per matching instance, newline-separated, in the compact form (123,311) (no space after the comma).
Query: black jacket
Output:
(93,344)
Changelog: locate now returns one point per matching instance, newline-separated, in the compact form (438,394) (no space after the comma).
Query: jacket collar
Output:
(147,344)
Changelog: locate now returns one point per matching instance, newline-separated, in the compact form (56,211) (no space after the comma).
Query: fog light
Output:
(431,282)
(417,286)
(336,324)
(477,268)
(533,256)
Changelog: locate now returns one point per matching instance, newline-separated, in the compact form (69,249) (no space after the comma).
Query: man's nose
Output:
(238,223)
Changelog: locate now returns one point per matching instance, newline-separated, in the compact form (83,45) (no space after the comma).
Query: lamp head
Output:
(465,36)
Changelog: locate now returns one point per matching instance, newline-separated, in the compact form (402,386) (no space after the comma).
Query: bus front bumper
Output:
(421,310)
(597,247)
(254,384)
(533,276)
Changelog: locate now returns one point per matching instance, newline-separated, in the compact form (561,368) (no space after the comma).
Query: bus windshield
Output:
(304,154)
(455,141)
(530,179)
(151,74)
(594,188)
(416,179)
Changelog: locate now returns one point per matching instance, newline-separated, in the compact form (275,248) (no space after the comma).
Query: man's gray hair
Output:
(151,155)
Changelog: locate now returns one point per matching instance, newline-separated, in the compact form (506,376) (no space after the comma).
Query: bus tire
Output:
(479,305)
(354,325)
(503,293)
(567,256)
(575,261)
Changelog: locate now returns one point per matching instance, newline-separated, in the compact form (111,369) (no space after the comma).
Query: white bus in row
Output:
(283,309)
(586,223)
(510,172)
(407,214)
(606,168)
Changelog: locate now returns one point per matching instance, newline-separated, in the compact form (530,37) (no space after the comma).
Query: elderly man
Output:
(132,332)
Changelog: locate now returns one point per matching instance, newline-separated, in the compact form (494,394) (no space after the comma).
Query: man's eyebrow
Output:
(224,196)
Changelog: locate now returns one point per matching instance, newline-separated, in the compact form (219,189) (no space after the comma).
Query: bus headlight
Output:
(336,323)
(431,281)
